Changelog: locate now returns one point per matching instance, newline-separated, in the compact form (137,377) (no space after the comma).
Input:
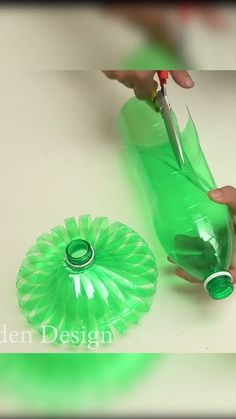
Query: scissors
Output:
(161,102)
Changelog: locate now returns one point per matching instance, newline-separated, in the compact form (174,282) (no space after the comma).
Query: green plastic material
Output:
(70,383)
(195,232)
(152,56)
(85,280)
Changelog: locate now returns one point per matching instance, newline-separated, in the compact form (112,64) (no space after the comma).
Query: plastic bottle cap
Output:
(79,254)
(219,285)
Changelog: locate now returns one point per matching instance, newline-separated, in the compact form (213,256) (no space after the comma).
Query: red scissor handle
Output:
(163,76)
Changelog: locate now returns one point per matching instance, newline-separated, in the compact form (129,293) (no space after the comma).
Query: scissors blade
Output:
(162,104)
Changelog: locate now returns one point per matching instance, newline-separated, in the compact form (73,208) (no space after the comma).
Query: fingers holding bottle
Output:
(225,195)
(143,82)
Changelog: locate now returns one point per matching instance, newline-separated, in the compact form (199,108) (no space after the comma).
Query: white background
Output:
(55,38)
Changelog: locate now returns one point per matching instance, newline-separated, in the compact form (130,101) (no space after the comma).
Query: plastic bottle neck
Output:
(79,254)
(219,285)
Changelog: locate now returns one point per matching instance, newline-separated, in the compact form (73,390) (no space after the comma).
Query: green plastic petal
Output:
(90,277)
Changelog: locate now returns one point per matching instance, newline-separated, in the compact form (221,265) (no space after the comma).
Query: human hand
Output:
(143,83)
(225,195)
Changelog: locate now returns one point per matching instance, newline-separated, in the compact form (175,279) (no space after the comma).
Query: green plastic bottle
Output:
(86,280)
(196,232)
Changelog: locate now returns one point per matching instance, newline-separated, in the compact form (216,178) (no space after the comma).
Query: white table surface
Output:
(61,156)
(183,386)
(81,38)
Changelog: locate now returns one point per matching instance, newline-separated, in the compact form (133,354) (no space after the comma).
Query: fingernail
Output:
(188,81)
(216,194)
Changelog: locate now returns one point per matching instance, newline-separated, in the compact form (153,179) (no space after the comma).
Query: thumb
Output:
(225,195)
(182,78)
(233,273)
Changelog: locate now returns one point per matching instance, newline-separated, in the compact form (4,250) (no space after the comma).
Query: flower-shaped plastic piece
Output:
(86,280)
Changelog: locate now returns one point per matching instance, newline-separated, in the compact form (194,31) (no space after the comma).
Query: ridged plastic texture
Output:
(195,232)
(90,278)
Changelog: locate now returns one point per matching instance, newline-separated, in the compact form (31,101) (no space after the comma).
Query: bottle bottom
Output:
(219,285)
